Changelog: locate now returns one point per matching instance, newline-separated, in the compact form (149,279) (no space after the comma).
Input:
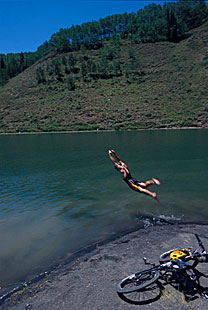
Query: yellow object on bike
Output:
(179,254)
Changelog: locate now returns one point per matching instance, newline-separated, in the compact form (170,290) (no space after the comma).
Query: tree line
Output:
(154,23)
(14,63)
(107,64)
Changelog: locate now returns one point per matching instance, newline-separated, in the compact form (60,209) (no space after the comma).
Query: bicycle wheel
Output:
(143,296)
(138,281)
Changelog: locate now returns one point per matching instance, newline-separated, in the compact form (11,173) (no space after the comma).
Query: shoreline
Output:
(69,258)
(108,260)
(99,131)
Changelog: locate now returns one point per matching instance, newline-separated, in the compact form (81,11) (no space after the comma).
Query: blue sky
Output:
(26,24)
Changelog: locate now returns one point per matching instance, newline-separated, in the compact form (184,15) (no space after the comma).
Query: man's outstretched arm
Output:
(111,153)
(116,156)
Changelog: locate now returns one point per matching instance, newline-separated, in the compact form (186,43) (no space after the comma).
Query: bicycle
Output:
(146,286)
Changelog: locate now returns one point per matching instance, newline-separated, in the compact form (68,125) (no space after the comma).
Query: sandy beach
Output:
(89,281)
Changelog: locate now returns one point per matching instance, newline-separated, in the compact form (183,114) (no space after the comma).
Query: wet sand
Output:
(89,281)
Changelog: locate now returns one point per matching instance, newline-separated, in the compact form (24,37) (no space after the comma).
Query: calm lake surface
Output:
(60,192)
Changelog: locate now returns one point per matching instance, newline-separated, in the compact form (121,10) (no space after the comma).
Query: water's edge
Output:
(100,130)
(69,259)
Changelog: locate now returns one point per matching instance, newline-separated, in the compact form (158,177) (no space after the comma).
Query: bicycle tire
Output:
(148,294)
(138,281)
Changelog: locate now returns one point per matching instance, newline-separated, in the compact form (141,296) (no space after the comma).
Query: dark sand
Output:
(89,282)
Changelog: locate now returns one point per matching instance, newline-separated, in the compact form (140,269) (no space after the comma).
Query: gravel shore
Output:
(89,282)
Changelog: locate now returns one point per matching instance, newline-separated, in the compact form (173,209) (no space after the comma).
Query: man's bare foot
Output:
(157,182)
(154,195)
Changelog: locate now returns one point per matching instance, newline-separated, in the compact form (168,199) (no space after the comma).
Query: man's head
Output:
(122,164)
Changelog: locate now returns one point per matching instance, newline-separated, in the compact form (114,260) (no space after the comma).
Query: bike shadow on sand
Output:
(183,283)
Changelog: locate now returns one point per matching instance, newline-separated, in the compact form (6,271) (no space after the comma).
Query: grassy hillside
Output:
(169,89)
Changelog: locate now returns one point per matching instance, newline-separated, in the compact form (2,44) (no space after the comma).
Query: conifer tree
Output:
(40,75)
(71,83)
(84,71)
(2,63)
(72,62)
(171,26)
(22,61)
(63,60)
(116,68)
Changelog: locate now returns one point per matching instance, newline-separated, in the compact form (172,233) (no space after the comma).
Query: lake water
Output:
(60,192)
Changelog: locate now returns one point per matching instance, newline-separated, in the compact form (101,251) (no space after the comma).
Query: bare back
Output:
(124,172)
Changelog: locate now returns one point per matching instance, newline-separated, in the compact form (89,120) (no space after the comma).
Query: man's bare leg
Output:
(150,182)
(145,191)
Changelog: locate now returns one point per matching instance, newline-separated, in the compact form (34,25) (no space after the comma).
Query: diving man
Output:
(135,185)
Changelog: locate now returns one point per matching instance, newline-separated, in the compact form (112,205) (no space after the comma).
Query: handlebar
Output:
(196,255)
(200,243)
(203,256)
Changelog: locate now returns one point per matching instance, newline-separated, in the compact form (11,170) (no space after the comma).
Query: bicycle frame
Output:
(177,272)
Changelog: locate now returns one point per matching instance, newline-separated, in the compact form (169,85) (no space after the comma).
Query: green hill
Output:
(123,85)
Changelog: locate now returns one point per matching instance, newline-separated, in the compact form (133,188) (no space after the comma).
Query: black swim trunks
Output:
(131,182)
